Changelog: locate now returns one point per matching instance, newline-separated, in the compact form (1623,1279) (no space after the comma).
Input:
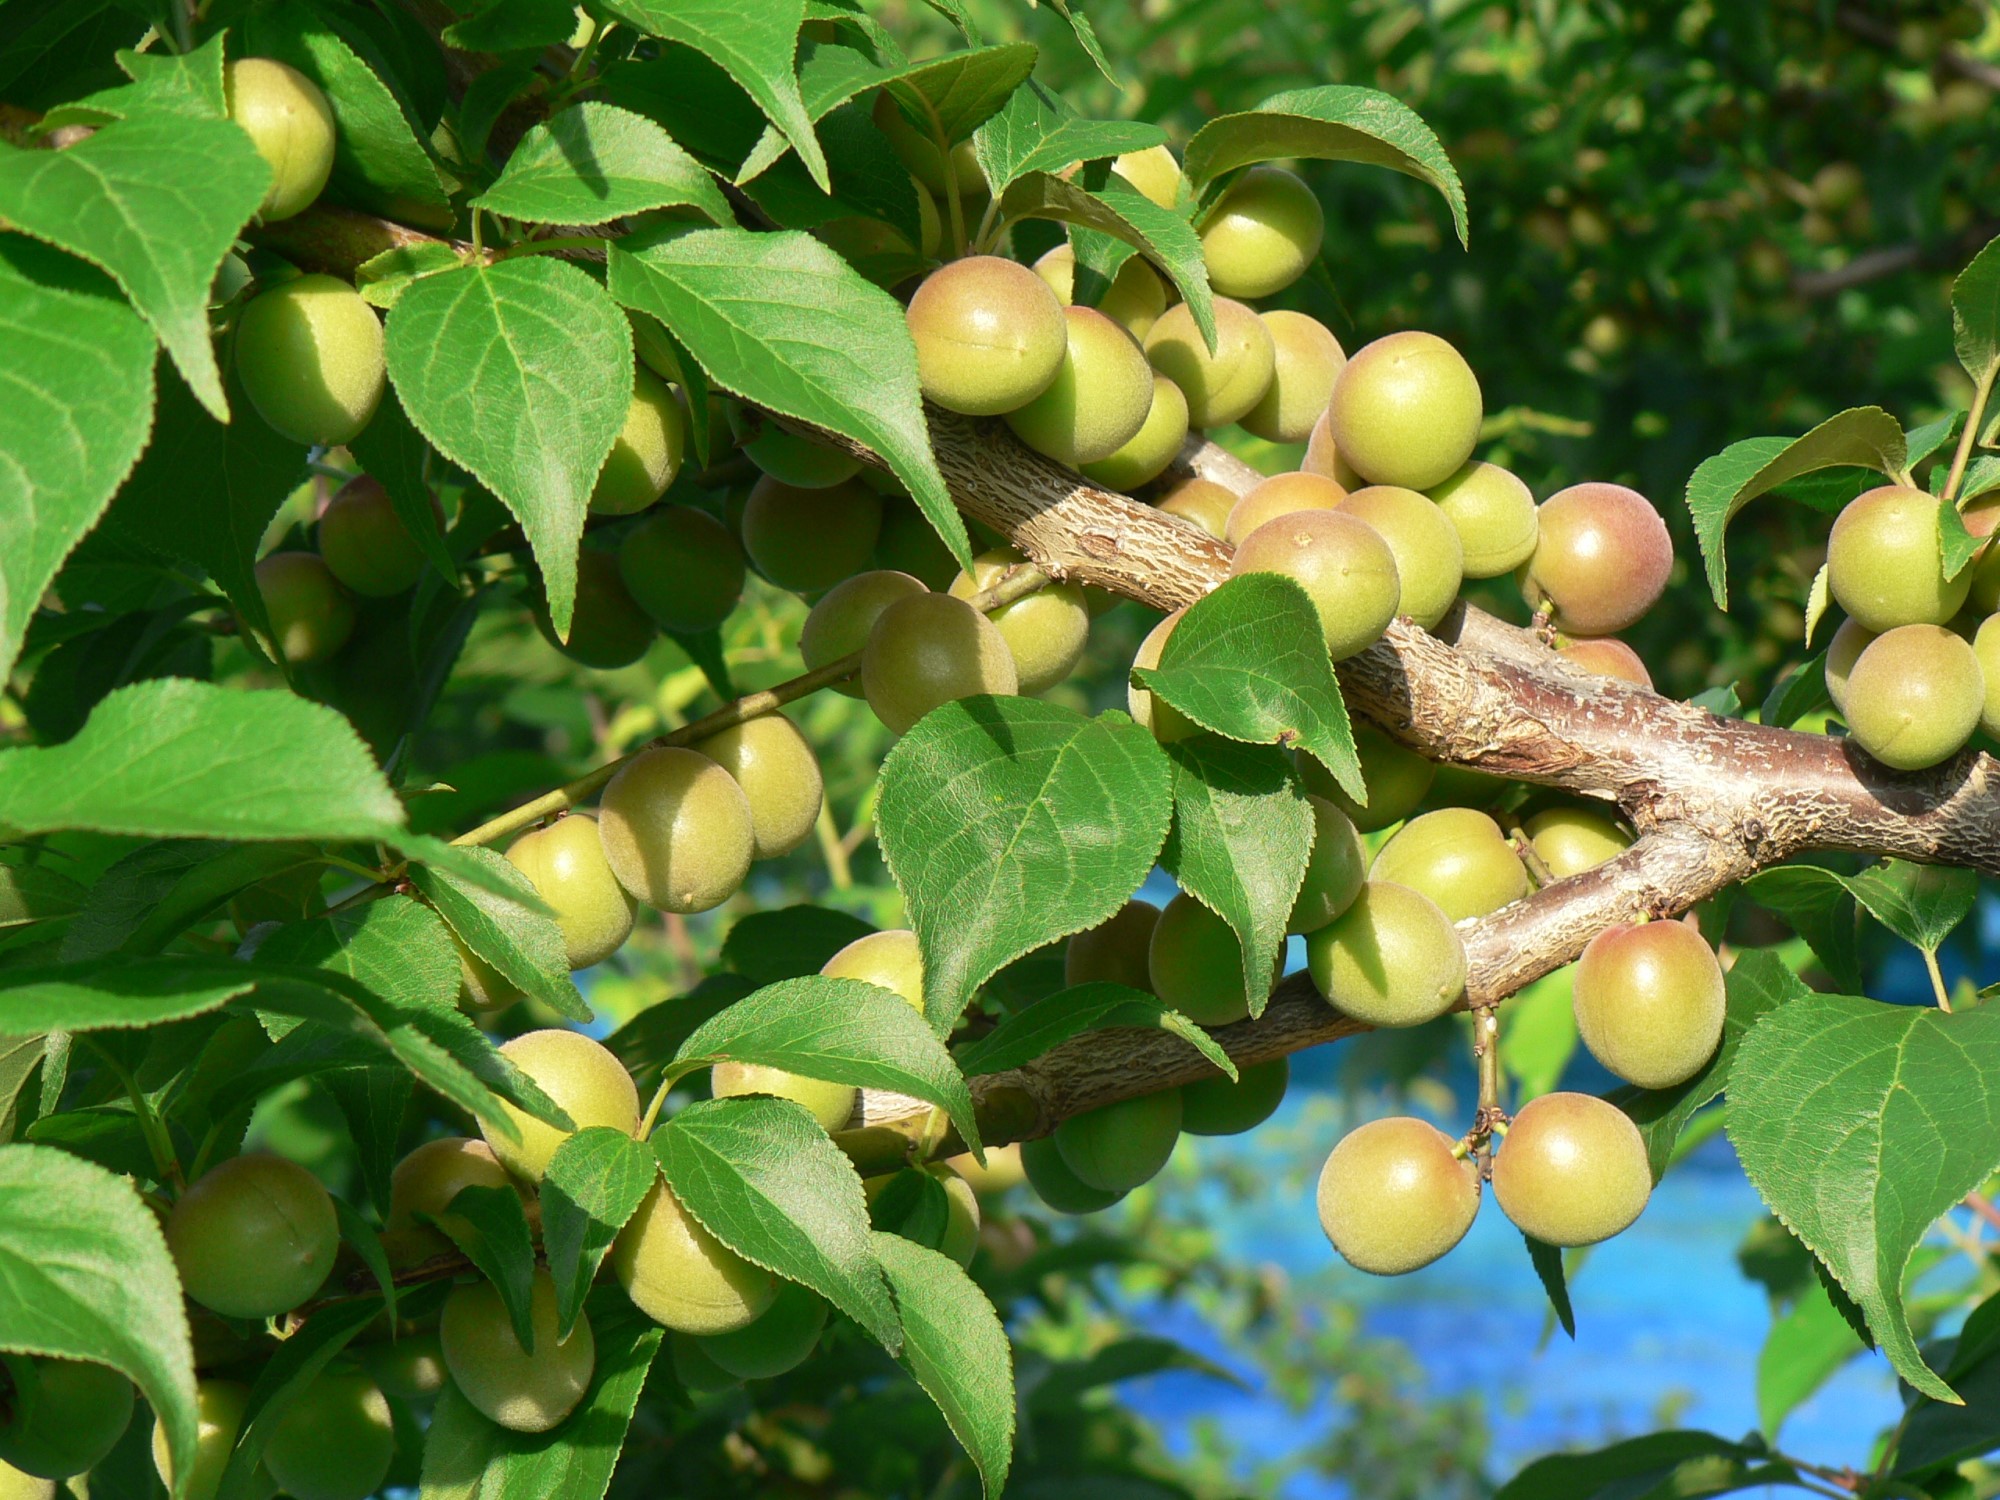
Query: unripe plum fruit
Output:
(1202,503)
(311,617)
(808,540)
(365,544)
(522,1391)
(1649,1002)
(483,991)
(1459,858)
(218,1407)
(425,1182)
(1601,558)
(1570,840)
(1347,568)
(1406,411)
(990,335)
(1842,652)
(1195,962)
(566,865)
(1572,1170)
(1120,1146)
(829,1104)
(677,830)
(1046,631)
(1115,951)
(1981,516)
(1306,360)
(1395,776)
(291,125)
(1134,300)
(64,1415)
(891,960)
(780,777)
(254,1237)
(910,544)
(1153,171)
(310,355)
(840,622)
(1334,872)
(1323,458)
(607,628)
(960,1240)
(1430,561)
(647,453)
(1223,386)
(780,1340)
(1393,1197)
(1494,515)
(1885,561)
(1986,647)
(682,567)
(1262,233)
(1099,399)
(1002,1173)
(1165,721)
(335,1440)
(1146,454)
(681,1276)
(1056,1185)
(1607,656)
(697,1373)
(410,1369)
(1216,1106)
(589,1084)
(929,650)
(1280,495)
(1915,696)
(920,153)
(1390,959)
(798,461)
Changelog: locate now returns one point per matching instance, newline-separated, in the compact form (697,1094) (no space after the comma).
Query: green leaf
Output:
(1904,1122)
(1241,837)
(159,890)
(1249,661)
(116,991)
(513,26)
(1921,904)
(1008,823)
(1035,132)
(490,1226)
(1801,691)
(650,1039)
(523,944)
(396,948)
(594,1184)
(596,162)
(1937,1435)
(189,83)
(287,1375)
(382,279)
(375,1100)
(88,1276)
(955,1348)
(1975,312)
(1054,1019)
(1801,1353)
(521,374)
(1336,123)
(760,1176)
(1819,907)
(154,202)
(789,943)
(1865,437)
(1956,546)
(78,384)
(1683,1465)
(784,322)
(842,1031)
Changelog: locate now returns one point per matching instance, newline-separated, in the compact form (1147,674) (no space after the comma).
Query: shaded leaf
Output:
(595,162)
(594,1184)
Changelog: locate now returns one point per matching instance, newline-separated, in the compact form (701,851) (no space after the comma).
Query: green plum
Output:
(334,1441)
(1390,959)
(1406,411)
(647,453)
(1601,559)
(1393,1196)
(1201,503)
(793,459)
(1494,515)
(1306,361)
(1280,495)
(990,335)
(681,1276)
(219,1407)
(364,542)
(1885,561)
(840,622)
(892,960)
(1216,1106)
(1915,696)
(1394,776)
(1195,962)
(1335,870)
(520,1390)
(1348,570)
(1459,858)
(1649,1002)
(1134,300)
(1224,385)
(780,777)
(1115,951)
(1607,656)
(585,1080)
(1120,1146)
(1146,454)
(929,650)
(291,125)
(310,355)
(1572,1171)
(1842,652)
(565,863)
(1045,631)
(1099,400)
(1430,561)
(311,616)
(809,540)
(1056,1185)
(677,830)
(1262,233)
(830,1104)
(253,1237)
(63,1416)
(1570,840)
(781,1339)
(607,628)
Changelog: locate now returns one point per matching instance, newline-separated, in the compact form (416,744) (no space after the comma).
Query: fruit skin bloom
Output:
(1572,1170)
(1393,1198)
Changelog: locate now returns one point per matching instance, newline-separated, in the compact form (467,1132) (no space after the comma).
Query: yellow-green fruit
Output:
(1134,300)
(311,617)
(799,461)
(1406,411)
(1393,1198)
(254,1237)
(1334,872)
(929,650)
(682,567)
(607,628)
(425,1182)
(1885,562)
(681,1276)
(1216,1106)
(1572,1171)
(1494,515)
(1280,495)
(647,453)
(1986,647)
(1350,573)
(218,1406)
(1056,1185)
(1390,959)
(1099,399)
(910,544)
(1262,233)
(1570,840)
(780,778)
(1842,652)
(1429,559)
(891,960)
(1046,631)
(1394,776)
(1154,172)
(1167,722)
(920,153)
(840,622)
(582,1077)
(1120,1146)
(990,335)
(1147,453)
(960,1240)
(1459,858)
(483,991)
(697,1373)
(1306,360)
(782,1339)
(62,1416)
(808,540)
(410,1369)
(310,354)
(1915,696)
(829,1104)
(1322,457)
(291,125)
(1195,963)
(1602,555)
(522,1391)
(677,830)
(1002,1172)
(1981,516)
(1607,656)
(1202,503)
(1649,1002)
(565,863)
(1115,951)
(334,1441)
(365,544)
(1222,386)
